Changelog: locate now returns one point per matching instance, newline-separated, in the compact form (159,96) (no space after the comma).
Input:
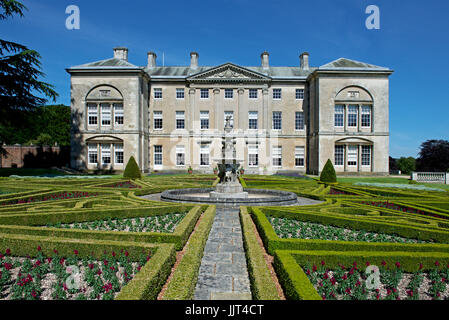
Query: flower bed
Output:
(51,197)
(393,206)
(165,224)
(123,184)
(351,283)
(288,228)
(333,192)
(62,278)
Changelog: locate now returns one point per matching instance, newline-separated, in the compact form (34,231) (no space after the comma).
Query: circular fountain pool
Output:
(256,197)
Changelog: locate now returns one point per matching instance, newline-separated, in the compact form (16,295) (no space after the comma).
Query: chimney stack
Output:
(194,60)
(151,59)
(265,60)
(121,53)
(304,60)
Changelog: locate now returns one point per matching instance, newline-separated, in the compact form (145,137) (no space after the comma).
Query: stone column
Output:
(194,122)
(265,125)
(241,110)
(345,118)
(217,108)
(345,156)
(359,118)
(359,158)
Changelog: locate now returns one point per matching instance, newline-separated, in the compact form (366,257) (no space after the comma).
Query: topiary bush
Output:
(328,174)
(132,170)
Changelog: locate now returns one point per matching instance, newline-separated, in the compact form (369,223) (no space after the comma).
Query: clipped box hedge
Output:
(262,285)
(183,282)
(178,237)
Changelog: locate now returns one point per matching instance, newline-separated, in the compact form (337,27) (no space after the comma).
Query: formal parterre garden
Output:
(365,241)
(102,239)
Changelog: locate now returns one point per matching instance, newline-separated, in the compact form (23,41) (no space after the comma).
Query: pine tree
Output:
(20,69)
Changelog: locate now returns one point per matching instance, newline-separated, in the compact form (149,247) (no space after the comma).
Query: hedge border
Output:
(272,242)
(182,285)
(262,285)
(178,237)
(294,281)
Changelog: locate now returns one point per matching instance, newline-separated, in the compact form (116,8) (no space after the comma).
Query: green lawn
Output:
(373,179)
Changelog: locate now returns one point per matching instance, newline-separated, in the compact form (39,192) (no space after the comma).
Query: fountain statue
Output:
(228,167)
(229,192)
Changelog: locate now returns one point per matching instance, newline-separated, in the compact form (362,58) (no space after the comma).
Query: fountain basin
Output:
(255,197)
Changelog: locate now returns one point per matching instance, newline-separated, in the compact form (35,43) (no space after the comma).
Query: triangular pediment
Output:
(228,72)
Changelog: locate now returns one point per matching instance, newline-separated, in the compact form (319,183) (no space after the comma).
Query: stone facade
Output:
(284,118)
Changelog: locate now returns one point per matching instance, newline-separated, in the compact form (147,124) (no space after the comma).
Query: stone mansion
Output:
(284,119)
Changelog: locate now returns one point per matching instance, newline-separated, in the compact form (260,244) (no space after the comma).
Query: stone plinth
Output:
(229,190)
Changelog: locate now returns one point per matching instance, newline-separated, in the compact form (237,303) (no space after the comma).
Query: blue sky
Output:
(412,41)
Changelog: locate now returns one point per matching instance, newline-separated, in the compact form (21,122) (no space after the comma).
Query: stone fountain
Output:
(228,167)
(229,192)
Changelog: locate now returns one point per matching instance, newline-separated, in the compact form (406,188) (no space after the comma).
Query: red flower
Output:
(113,253)
(384,263)
(49,260)
(126,253)
(420,266)
(323,263)
(8,252)
(61,261)
(348,290)
(75,252)
(368,264)
(314,268)
(398,264)
(437,263)
(91,266)
(39,248)
(33,293)
(55,251)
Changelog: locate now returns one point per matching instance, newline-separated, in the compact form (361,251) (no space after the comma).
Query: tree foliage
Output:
(52,121)
(328,174)
(406,165)
(20,71)
(434,156)
(132,170)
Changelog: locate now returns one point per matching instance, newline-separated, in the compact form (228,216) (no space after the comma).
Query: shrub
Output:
(132,170)
(328,174)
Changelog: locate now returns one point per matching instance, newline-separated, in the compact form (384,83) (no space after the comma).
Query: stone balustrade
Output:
(435,177)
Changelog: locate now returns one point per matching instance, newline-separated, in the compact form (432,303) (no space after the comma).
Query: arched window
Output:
(353,109)
(104,108)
